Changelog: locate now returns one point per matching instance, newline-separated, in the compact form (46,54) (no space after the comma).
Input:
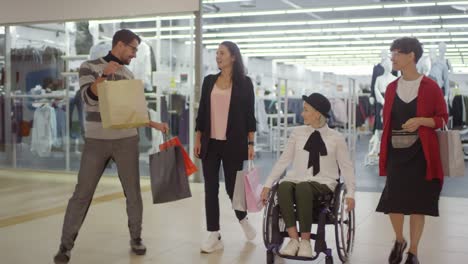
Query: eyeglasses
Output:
(134,49)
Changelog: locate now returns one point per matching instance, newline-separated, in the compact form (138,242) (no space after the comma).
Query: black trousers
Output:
(217,153)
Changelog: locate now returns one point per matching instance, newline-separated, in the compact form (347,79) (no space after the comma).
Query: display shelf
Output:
(69,74)
(75,57)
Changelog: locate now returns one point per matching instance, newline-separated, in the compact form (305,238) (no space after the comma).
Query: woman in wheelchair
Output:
(318,154)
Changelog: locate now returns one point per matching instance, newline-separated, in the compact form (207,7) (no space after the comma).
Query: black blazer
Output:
(241,117)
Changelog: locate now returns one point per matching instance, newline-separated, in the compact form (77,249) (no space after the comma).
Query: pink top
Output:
(220,101)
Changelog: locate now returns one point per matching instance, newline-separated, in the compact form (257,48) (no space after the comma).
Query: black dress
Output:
(406,190)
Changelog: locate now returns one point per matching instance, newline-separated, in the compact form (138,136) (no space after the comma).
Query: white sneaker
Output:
(212,243)
(305,249)
(291,248)
(249,230)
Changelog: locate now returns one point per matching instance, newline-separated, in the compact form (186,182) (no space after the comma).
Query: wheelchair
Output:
(330,210)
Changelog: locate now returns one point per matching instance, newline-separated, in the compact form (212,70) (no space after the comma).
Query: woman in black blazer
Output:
(225,129)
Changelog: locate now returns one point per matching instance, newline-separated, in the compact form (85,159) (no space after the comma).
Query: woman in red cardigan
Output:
(409,151)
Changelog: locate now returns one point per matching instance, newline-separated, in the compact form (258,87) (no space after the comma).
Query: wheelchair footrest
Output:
(276,252)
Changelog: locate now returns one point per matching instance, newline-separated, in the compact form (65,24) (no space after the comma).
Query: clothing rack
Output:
(67,117)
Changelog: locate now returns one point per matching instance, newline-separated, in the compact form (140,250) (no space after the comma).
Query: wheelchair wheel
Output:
(344,228)
(273,225)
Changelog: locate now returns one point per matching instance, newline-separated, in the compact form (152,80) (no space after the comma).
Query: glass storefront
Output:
(42,111)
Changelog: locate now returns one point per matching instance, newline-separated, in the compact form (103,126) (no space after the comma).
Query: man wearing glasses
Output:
(102,145)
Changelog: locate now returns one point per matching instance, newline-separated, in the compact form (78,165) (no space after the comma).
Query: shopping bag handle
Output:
(250,165)
(165,136)
(444,126)
(113,77)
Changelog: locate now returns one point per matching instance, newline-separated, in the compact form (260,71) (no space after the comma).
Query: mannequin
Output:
(382,81)
(440,68)
(377,71)
(381,84)
(433,55)
(424,65)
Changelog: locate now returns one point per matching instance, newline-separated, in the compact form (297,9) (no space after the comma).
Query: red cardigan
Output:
(430,103)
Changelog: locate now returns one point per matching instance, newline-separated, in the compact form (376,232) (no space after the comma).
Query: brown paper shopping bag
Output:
(122,104)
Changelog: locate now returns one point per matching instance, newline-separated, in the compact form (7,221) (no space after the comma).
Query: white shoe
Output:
(212,243)
(249,230)
(305,249)
(291,248)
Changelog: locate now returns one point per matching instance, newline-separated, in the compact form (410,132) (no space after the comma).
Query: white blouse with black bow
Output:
(303,145)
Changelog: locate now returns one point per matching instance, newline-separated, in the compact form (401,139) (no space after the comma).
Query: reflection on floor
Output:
(32,209)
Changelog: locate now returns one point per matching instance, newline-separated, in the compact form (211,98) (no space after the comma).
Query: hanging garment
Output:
(260,113)
(44,131)
(338,107)
(61,121)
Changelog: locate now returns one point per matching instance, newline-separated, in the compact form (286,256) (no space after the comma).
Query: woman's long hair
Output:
(238,70)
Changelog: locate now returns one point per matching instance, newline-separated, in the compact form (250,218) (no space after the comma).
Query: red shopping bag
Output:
(190,167)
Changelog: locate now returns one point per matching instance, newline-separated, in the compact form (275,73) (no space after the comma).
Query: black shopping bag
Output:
(167,173)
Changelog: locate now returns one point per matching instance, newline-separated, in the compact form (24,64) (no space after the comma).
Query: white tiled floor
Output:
(173,232)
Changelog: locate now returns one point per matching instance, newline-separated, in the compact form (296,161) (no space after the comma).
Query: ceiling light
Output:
(455,26)
(338,29)
(351,8)
(458,33)
(378,28)
(262,13)
(317,22)
(361,20)
(430,34)
(321,22)
(110,21)
(163,29)
(170,37)
(221,15)
(309,10)
(453,3)
(391,35)
(302,31)
(416,18)
(454,16)
(421,27)
(333,9)
(409,5)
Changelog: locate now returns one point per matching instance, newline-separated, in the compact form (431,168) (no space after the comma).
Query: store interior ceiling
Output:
(337,33)
(320,34)
(326,34)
